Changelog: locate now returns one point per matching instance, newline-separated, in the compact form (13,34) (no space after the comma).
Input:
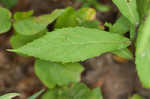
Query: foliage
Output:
(9,96)
(121,26)
(76,91)
(76,36)
(72,18)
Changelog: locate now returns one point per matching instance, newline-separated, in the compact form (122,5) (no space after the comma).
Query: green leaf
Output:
(73,44)
(143,53)
(9,96)
(121,26)
(5,20)
(22,15)
(77,91)
(124,53)
(36,95)
(67,19)
(9,3)
(34,25)
(136,96)
(128,9)
(52,74)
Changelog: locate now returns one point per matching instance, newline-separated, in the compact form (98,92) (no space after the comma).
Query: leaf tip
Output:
(11,50)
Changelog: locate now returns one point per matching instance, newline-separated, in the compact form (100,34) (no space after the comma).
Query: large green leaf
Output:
(77,91)
(143,53)
(9,96)
(52,74)
(5,20)
(121,26)
(33,25)
(128,8)
(73,44)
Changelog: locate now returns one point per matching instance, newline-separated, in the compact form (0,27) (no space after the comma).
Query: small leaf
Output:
(77,91)
(67,19)
(124,53)
(36,95)
(5,20)
(73,44)
(128,9)
(143,53)
(22,15)
(34,25)
(9,96)
(121,26)
(85,14)
(136,96)
(52,74)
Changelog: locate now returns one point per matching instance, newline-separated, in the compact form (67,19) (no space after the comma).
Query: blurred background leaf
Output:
(9,3)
